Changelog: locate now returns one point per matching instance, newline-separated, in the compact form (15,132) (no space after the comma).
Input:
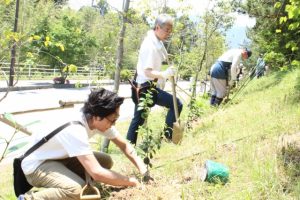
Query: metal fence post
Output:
(29,72)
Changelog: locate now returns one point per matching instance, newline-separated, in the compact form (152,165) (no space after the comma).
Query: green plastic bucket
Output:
(215,172)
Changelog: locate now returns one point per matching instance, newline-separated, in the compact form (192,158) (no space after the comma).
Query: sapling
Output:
(150,143)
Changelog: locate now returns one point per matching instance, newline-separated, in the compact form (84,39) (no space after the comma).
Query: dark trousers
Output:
(163,99)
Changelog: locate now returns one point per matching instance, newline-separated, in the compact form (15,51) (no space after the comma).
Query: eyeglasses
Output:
(166,30)
(112,121)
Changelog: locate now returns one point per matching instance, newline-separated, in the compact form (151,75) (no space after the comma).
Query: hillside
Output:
(256,136)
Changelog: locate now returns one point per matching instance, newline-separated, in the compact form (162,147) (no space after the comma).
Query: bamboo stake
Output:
(42,109)
(15,125)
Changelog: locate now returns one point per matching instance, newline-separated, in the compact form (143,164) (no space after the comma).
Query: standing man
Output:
(151,55)
(60,164)
(224,73)
(260,66)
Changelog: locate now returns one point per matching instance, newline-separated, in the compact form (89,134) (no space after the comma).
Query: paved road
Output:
(17,101)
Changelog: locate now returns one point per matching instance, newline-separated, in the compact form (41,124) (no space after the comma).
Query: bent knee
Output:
(73,191)
(104,160)
(109,163)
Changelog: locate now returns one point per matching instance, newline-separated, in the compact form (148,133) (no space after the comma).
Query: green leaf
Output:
(294,48)
(7,2)
(282,19)
(9,117)
(16,147)
(294,26)
(295,63)
(277,5)
(284,68)
(146,160)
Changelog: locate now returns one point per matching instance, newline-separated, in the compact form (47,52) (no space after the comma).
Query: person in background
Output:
(260,67)
(224,72)
(151,55)
(60,164)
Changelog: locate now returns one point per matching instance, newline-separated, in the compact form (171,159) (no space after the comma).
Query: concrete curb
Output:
(48,86)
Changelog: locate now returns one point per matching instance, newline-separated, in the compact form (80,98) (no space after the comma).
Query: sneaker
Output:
(21,197)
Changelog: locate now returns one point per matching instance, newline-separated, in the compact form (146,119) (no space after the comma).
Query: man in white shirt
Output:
(224,73)
(60,164)
(151,55)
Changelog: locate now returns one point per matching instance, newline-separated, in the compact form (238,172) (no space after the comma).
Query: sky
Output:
(234,37)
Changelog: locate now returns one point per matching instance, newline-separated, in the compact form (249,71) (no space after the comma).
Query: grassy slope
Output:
(246,137)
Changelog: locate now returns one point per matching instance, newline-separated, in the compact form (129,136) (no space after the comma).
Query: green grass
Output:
(244,135)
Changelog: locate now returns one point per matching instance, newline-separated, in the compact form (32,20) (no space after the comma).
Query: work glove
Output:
(170,71)
(233,84)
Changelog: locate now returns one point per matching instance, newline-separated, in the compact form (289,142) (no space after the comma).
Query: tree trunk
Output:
(120,49)
(13,50)
(105,144)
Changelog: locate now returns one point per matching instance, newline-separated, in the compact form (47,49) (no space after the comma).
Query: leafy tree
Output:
(290,23)
(120,49)
(57,2)
(7,10)
(63,41)
(103,7)
(274,32)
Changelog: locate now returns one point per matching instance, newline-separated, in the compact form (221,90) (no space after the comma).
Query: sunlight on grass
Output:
(244,136)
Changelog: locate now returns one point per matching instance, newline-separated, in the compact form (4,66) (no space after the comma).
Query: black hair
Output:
(249,52)
(101,103)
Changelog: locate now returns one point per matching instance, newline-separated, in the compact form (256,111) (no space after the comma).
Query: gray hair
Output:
(162,20)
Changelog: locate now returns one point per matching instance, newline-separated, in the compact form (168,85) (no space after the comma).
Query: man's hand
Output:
(147,178)
(133,182)
(143,170)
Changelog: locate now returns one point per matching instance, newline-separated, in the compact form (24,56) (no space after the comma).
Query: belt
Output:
(148,83)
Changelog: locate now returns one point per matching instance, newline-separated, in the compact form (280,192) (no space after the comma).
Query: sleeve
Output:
(147,56)
(234,66)
(75,141)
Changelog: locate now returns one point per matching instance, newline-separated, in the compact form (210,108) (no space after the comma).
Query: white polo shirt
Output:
(151,55)
(70,142)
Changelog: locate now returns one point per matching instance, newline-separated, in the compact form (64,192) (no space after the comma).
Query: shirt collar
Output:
(158,43)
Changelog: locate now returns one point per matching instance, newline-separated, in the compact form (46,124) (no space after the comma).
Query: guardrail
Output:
(28,71)
(37,71)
